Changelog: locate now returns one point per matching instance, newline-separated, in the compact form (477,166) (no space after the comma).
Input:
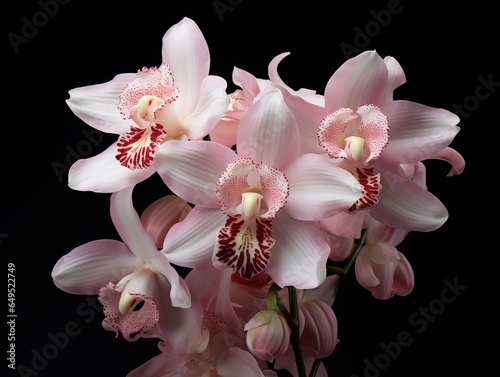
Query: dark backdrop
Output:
(448,55)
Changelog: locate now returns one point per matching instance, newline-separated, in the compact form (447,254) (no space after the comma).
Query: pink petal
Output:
(212,104)
(247,82)
(396,77)
(299,256)
(104,174)
(88,267)
(318,188)
(403,204)
(185,50)
(129,227)
(191,169)
(97,105)
(417,131)
(451,156)
(191,242)
(360,80)
(268,131)
(162,214)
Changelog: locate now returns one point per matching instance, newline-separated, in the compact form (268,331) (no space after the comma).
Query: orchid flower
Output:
(225,354)
(132,273)
(242,99)
(178,100)
(365,131)
(258,205)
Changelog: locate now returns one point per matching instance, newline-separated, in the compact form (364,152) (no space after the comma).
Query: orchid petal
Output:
(185,50)
(191,168)
(129,227)
(299,256)
(360,80)
(417,131)
(97,105)
(318,188)
(451,156)
(88,267)
(162,214)
(191,242)
(247,82)
(182,327)
(405,205)
(104,174)
(268,131)
(212,104)
(396,76)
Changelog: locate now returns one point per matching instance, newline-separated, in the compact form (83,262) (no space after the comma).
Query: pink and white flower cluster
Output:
(274,194)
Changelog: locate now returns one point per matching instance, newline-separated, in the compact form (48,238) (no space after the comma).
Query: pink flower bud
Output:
(268,335)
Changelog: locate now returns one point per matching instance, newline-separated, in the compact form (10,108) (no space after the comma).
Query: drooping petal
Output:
(299,255)
(268,131)
(417,131)
(180,296)
(318,188)
(191,242)
(212,104)
(451,156)
(104,174)
(185,50)
(97,105)
(360,80)
(405,205)
(191,168)
(88,267)
(182,327)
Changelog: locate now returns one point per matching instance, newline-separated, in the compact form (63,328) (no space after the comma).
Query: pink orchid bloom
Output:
(258,206)
(368,133)
(380,267)
(177,100)
(125,274)
(225,354)
(242,99)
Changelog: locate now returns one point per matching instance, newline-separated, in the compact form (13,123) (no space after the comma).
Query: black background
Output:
(444,50)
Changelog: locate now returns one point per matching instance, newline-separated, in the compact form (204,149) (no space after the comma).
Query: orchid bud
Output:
(268,335)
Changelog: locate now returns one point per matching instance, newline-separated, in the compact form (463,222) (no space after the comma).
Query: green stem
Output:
(295,336)
(315,367)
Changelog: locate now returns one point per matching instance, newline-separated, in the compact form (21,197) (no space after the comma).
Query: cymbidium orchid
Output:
(178,100)
(274,196)
(262,200)
(368,133)
(141,292)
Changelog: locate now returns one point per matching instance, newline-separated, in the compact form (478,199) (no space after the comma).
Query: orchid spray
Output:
(275,196)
